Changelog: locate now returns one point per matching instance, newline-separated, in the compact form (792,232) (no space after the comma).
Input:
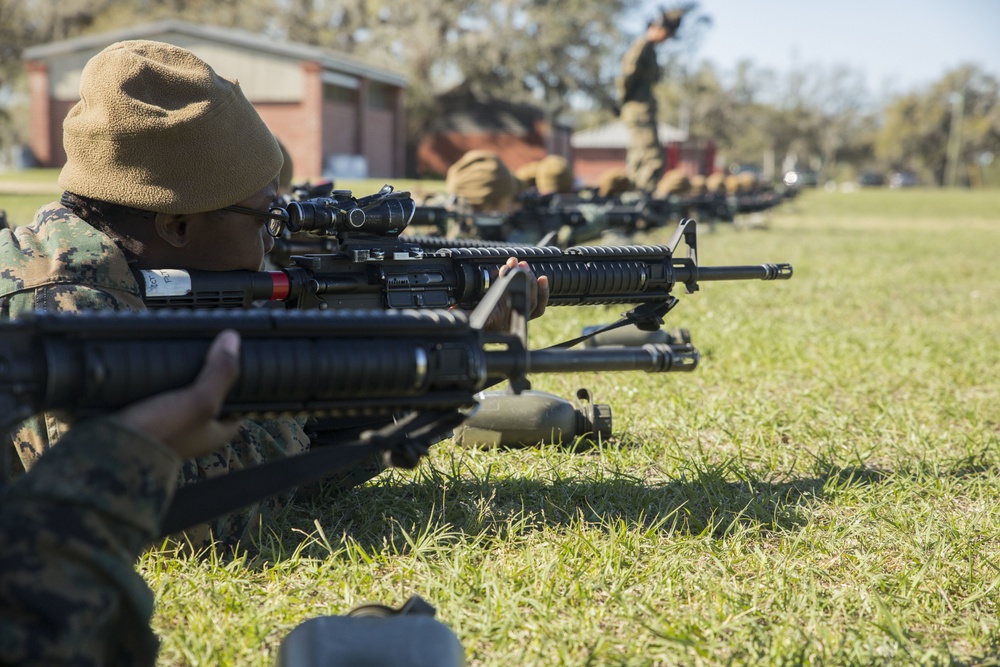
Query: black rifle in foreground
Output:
(370,267)
(430,363)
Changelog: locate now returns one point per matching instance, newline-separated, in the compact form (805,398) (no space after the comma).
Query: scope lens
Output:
(307,216)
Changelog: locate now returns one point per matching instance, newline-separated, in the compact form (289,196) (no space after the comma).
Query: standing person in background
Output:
(640,73)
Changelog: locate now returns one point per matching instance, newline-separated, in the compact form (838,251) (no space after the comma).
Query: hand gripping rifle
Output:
(429,364)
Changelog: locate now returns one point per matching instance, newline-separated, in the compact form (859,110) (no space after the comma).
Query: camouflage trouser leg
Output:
(258,443)
(644,158)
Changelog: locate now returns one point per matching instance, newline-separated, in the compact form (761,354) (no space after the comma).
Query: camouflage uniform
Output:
(640,72)
(70,532)
(62,263)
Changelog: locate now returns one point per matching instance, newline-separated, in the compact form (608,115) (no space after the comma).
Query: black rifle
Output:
(580,219)
(756,202)
(4,224)
(314,363)
(290,245)
(568,219)
(375,270)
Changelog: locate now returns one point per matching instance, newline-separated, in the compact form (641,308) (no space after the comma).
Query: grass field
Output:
(824,489)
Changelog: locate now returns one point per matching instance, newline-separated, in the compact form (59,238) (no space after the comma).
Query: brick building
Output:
(336,115)
(603,148)
(518,133)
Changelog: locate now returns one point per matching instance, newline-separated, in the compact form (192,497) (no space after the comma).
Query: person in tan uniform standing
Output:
(640,73)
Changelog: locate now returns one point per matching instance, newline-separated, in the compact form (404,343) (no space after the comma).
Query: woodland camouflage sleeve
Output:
(70,532)
(630,67)
(258,442)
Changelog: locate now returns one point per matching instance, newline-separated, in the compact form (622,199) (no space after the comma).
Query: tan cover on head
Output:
(554,174)
(157,129)
(482,180)
(526,174)
(715,182)
(673,182)
(614,182)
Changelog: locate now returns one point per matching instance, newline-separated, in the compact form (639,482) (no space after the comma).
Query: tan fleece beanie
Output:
(614,182)
(554,174)
(673,182)
(526,174)
(715,182)
(157,129)
(482,180)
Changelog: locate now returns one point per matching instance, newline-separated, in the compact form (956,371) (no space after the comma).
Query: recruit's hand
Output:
(186,419)
(538,298)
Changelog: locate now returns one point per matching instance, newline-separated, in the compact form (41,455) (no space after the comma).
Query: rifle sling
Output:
(649,313)
(203,501)
(214,497)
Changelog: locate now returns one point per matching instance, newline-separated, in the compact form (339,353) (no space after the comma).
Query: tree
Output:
(537,51)
(729,110)
(24,23)
(918,126)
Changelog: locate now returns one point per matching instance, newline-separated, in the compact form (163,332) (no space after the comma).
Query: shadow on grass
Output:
(706,500)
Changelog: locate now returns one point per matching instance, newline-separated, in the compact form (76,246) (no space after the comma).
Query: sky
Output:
(899,45)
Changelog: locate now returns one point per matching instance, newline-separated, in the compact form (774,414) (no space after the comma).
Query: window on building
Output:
(332,93)
(379,95)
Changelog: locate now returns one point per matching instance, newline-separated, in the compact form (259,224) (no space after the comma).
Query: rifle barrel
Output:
(749,272)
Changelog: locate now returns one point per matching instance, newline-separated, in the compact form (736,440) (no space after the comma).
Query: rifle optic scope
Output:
(385,213)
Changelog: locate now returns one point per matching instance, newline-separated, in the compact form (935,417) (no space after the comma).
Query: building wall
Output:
(64,73)
(589,164)
(379,141)
(59,110)
(559,142)
(289,123)
(339,123)
(42,136)
(263,76)
(288,93)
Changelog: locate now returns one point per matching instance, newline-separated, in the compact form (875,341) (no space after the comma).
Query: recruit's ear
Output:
(174,229)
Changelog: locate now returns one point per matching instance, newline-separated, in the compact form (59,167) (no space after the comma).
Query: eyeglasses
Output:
(276,216)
